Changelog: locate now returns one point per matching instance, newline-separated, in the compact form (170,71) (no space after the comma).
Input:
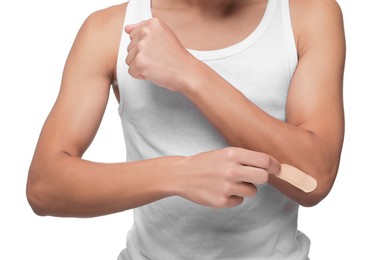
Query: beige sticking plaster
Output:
(297,178)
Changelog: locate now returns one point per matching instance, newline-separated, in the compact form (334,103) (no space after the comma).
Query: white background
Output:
(35,38)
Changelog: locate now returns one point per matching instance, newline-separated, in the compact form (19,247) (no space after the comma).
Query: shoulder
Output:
(309,10)
(99,37)
(103,26)
(324,4)
(315,20)
(106,20)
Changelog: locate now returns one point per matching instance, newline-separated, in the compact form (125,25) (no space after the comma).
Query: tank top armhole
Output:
(121,66)
(289,34)
(136,11)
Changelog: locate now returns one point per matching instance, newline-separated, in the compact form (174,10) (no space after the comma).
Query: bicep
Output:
(315,100)
(79,108)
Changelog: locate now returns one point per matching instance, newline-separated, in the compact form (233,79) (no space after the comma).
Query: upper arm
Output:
(315,100)
(88,73)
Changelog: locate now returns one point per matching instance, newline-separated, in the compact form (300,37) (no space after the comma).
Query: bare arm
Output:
(61,183)
(312,137)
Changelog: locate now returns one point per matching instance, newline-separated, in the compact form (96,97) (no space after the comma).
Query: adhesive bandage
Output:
(297,178)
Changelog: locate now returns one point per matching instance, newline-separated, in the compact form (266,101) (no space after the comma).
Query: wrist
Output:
(191,76)
(170,179)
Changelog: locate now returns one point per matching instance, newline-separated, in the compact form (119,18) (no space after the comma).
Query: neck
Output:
(204,5)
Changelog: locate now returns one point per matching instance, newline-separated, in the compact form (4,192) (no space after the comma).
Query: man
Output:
(214,97)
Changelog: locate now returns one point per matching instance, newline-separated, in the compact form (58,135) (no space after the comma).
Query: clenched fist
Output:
(156,54)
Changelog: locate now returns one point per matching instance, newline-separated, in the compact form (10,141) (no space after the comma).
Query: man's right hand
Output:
(223,178)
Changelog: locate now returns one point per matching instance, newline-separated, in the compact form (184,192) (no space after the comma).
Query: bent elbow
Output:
(35,195)
(324,186)
(311,200)
(35,202)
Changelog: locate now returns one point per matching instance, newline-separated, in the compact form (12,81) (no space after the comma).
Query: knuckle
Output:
(153,21)
(230,152)
(229,172)
(219,202)
(144,31)
(140,46)
(223,202)
(227,189)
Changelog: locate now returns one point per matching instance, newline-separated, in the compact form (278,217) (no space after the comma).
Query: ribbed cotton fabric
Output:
(157,122)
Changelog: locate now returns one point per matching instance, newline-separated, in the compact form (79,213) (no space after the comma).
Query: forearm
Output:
(73,187)
(243,124)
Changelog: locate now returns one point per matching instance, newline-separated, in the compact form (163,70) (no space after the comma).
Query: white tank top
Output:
(157,122)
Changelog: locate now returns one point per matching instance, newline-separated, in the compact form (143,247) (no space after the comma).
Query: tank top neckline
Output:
(234,48)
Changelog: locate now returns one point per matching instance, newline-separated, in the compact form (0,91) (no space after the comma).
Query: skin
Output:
(60,183)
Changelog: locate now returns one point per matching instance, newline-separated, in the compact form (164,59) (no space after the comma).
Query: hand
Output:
(156,54)
(223,178)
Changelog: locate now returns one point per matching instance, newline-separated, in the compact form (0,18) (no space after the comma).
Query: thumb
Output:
(130,27)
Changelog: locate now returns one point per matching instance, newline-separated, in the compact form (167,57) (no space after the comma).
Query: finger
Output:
(253,175)
(135,73)
(234,201)
(244,189)
(260,160)
(131,27)
(131,55)
(135,36)
(132,44)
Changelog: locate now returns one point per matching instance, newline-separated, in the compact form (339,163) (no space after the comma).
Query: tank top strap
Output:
(137,11)
(289,34)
